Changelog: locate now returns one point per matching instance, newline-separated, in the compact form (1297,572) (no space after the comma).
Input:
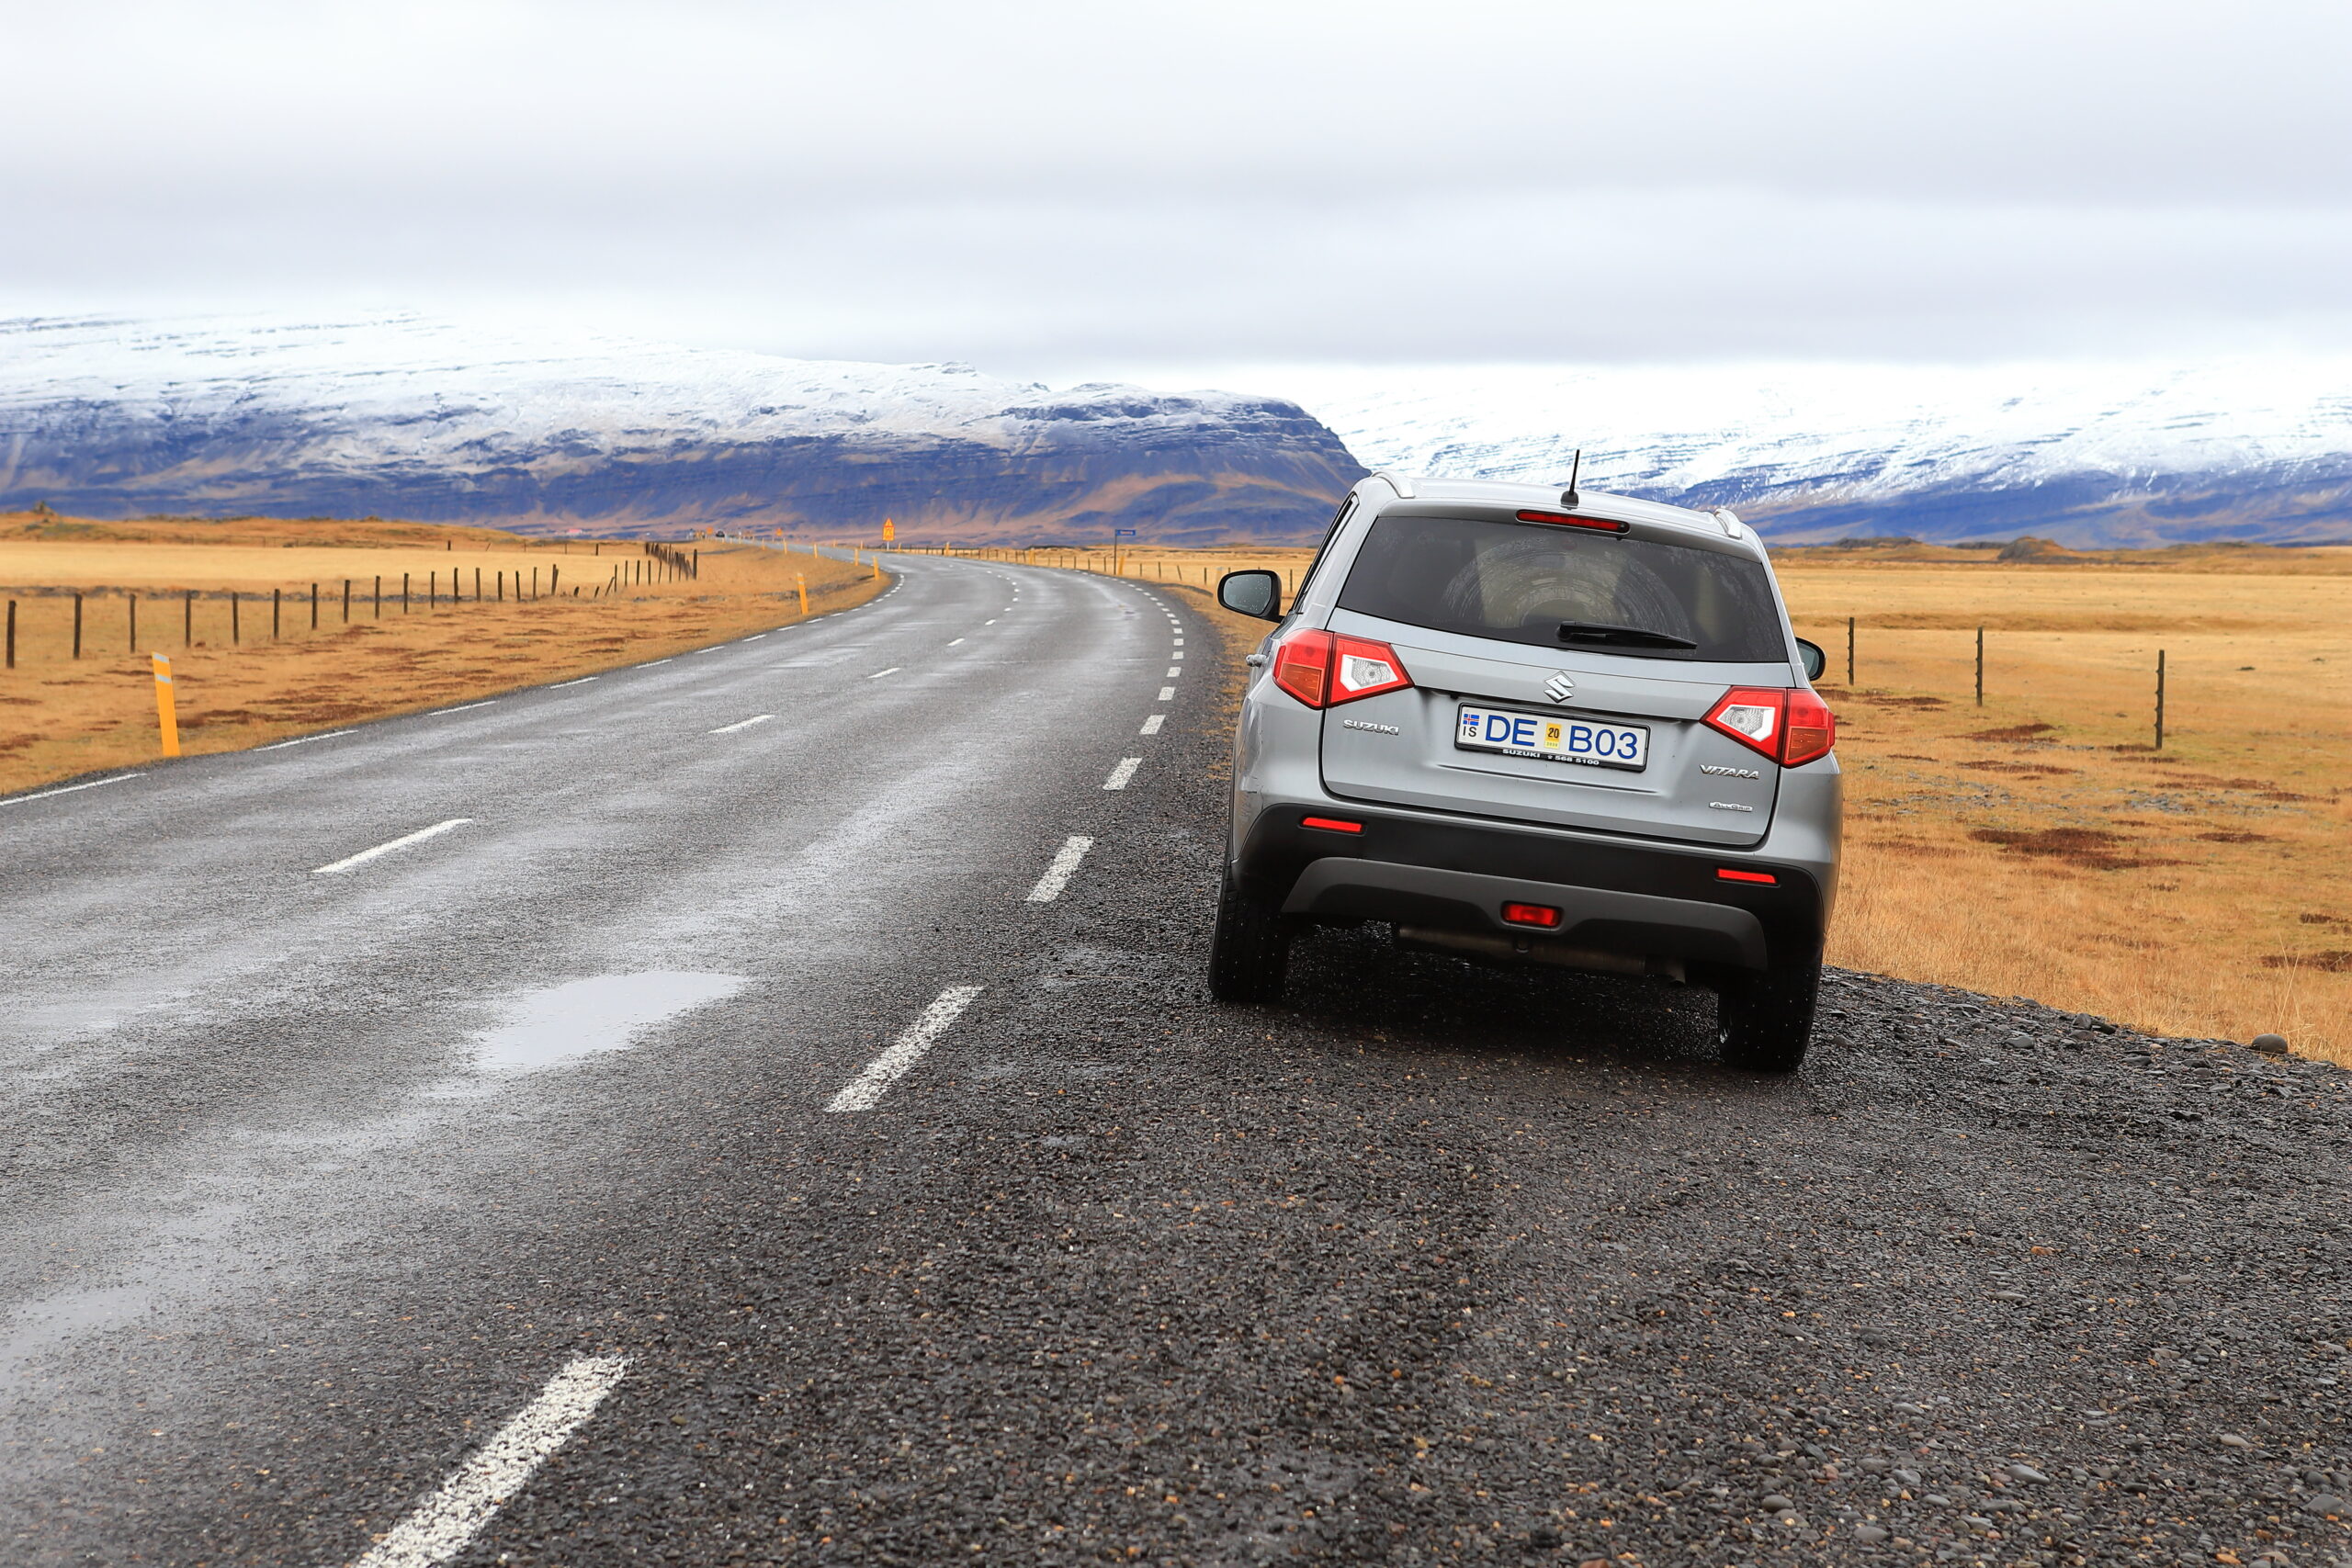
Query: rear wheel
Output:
(1252,947)
(1764,1022)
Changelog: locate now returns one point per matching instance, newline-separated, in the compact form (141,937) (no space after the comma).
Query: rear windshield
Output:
(1548,585)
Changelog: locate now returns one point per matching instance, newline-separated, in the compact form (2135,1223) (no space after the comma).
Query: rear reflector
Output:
(1726,874)
(1332,825)
(1530,915)
(1605,525)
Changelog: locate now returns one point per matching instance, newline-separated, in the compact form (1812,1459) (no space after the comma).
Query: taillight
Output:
(1790,728)
(1810,730)
(1325,669)
(1302,666)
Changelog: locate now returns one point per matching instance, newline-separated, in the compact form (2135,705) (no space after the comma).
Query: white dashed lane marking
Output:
(742,723)
(1173,671)
(404,842)
(864,1091)
(67,789)
(440,1526)
(957,640)
(1123,773)
(1151,726)
(1065,866)
(1167,694)
(879,673)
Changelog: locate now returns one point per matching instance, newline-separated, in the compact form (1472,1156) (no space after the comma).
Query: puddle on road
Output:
(607,1012)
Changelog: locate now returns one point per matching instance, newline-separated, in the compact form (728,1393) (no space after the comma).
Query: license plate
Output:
(1547,739)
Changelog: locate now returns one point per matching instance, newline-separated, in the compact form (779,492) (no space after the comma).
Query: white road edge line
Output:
(305,740)
(1123,773)
(404,842)
(651,663)
(879,673)
(1151,726)
(560,685)
(1065,866)
(742,723)
(864,1091)
(465,707)
(440,1526)
(68,789)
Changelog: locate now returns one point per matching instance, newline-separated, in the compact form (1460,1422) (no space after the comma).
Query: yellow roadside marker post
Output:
(167,714)
(802,578)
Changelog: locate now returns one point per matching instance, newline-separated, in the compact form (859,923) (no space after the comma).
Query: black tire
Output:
(1252,947)
(1763,1022)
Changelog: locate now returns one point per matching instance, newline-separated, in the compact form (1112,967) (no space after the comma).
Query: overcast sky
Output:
(1076,190)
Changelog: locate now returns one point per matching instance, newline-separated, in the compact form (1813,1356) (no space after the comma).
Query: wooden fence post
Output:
(77,626)
(2160,699)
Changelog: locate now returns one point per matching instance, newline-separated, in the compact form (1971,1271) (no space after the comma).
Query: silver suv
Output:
(1529,726)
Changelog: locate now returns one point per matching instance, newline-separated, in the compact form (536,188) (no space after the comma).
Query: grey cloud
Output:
(1043,185)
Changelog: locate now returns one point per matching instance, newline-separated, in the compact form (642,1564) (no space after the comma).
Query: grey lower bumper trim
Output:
(1340,885)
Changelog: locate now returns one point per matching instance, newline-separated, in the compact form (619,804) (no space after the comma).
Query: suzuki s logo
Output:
(1559,688)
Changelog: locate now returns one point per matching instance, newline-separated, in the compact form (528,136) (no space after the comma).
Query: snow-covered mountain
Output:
(2087,454)
(409,417)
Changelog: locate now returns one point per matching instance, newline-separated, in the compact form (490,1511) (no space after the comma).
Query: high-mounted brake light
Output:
(1606,525)
(1790,728)
(1542,915)
(1325,669)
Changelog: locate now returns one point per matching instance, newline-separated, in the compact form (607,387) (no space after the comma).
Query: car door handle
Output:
(1255,659)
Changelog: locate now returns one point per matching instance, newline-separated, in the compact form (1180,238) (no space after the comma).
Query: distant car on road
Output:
(1529,726)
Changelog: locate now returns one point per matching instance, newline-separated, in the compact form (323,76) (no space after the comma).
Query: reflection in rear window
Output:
(1522,581)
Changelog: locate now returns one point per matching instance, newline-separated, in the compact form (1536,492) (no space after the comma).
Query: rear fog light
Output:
(1530,915)
(1332,825)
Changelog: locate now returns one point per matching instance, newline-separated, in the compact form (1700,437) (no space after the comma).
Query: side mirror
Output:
(1815,661)
(1257,593)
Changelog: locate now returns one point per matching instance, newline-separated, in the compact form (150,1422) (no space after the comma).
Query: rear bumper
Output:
(1665,906)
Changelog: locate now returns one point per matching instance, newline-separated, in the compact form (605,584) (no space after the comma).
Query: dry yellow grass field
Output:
(243,683)
(2039,846)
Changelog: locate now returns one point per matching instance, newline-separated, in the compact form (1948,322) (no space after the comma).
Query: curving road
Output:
(760,1106)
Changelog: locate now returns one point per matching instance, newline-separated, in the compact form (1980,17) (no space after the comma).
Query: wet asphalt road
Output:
(317,1179)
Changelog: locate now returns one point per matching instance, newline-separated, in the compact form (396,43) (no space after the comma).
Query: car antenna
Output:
(1575,470)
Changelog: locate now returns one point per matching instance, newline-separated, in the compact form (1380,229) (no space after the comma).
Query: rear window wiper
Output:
(1636,636)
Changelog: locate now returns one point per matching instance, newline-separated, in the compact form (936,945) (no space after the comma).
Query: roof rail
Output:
(1397,482)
